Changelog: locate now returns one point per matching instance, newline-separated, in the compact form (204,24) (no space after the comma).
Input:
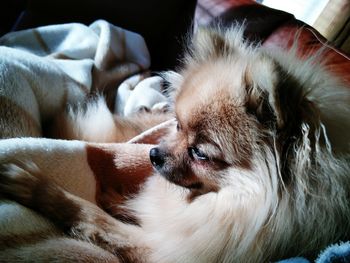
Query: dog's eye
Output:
(196,154)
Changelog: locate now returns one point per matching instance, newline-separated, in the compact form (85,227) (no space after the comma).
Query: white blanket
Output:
(43,69)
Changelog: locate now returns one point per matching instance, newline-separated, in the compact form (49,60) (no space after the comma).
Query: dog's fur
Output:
(92,121)
(257,169)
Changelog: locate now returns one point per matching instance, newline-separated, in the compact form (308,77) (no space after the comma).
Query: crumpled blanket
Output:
(77,166)
(140,92)
(339,253)
(43,69)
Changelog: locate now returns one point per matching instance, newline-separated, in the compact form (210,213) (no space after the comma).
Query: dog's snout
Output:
(157,158)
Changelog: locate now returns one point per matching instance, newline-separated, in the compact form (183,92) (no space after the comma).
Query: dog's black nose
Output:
(157,158)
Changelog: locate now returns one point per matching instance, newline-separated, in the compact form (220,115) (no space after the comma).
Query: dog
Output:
(256,170)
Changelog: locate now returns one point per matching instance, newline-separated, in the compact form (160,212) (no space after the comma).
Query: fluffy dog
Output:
(256,170)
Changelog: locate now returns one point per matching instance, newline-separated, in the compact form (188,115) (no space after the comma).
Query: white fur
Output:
(95,123)
(255,217)
(215,227)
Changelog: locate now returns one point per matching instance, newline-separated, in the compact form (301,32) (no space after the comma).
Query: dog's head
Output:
(233,104)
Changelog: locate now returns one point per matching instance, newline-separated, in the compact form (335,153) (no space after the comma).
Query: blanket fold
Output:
(43,69)
(79,166)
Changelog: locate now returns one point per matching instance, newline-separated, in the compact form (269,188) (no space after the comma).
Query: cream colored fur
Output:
(255,217)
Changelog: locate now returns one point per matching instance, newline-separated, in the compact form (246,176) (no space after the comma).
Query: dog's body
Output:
(257,170)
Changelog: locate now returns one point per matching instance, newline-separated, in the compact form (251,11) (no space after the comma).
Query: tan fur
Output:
(257,170)
(96,123)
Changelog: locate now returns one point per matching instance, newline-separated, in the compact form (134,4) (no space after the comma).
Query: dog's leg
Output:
(78,218)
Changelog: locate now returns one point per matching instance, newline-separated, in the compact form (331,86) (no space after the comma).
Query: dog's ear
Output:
(291,102)
(278,99)
(305,102)
(258,81)
(214,42)
(257,104)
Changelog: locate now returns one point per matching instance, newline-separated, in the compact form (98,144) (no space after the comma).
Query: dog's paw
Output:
(18,181)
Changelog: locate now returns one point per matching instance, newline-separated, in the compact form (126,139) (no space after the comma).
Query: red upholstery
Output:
(275,28)
(309,41)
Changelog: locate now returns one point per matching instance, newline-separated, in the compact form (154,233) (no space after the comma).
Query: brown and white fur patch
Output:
(92,121)
(257,169)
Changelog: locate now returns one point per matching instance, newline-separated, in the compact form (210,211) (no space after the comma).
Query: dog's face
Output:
(228,106)
(214,131)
